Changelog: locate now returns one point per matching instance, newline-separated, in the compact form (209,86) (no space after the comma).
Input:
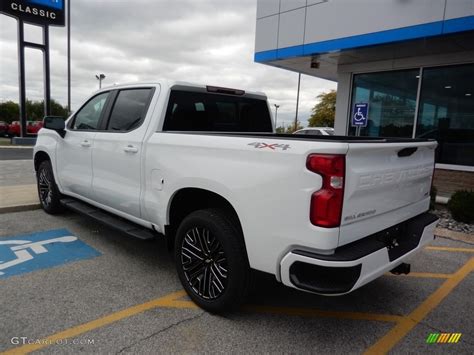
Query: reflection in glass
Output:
(446,112)
(392,102)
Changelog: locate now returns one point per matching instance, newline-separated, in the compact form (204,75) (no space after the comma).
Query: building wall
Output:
(289,28)
(449,181)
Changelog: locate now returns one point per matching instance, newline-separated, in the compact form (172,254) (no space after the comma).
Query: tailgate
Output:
(386,183)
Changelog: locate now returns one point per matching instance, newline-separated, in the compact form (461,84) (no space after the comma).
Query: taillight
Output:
(326,203)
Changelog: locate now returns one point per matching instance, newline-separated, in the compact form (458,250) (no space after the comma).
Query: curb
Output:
(20,208)
(16,146)
(446,233)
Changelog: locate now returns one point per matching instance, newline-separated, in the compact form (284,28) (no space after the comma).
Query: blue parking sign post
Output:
(360,115)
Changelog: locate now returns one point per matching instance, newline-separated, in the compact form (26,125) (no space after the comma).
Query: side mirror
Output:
(55,123)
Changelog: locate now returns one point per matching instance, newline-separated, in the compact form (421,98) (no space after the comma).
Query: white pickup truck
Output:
(203,167)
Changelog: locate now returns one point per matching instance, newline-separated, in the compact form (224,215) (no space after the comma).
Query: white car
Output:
(202,167)
(316,131)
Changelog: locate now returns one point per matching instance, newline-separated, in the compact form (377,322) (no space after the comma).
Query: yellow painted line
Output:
(166,301)
(428,275)
(305,312)
(459,250)
(388,341)
(181,304)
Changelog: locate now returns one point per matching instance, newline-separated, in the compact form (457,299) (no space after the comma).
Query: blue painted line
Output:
(370,39)
(30,252)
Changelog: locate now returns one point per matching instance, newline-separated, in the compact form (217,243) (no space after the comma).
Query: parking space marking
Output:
(174,300)
(428,275)
(404,324)
(306,312)
(30,252)
(182,304)
(459,250)
(164,301)
(303,312)
(389,340)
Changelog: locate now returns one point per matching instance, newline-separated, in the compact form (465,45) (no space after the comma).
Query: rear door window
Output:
(129,109)
(210,112)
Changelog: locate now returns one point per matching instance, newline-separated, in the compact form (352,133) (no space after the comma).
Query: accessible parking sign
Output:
(360,115)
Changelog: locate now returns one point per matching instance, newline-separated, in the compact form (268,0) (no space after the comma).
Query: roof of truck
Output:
(175,83)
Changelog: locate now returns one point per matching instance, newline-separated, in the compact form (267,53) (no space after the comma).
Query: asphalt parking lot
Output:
(122,295)
(16,172)
(16,154)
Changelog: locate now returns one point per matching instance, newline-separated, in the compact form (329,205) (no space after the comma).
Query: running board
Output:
(108,219)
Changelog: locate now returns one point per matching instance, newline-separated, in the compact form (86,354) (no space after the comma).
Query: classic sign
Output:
(40,12)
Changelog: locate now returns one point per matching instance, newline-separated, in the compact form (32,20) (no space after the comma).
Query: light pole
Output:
(297,101)
(100,77)
(276,114)
(68,6)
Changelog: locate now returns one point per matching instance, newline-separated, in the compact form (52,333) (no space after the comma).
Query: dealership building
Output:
(404,68)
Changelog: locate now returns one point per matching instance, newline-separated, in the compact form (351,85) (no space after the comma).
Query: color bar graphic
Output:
(442,338)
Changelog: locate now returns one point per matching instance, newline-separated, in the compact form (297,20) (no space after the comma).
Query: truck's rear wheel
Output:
(211,260)
(48,191)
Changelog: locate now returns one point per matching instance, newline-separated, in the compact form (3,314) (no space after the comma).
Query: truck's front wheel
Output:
(211,260)
(48,191)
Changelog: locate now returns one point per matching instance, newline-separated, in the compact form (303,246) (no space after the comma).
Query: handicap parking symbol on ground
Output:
(360,115)
(30,252)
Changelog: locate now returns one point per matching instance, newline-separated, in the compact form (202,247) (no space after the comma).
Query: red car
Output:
(14,129)
(32,127)
(4,129)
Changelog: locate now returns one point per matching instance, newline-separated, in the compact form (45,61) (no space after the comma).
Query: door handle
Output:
(85,143)
(130,149)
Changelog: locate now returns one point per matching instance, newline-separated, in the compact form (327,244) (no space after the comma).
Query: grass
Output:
(5,141)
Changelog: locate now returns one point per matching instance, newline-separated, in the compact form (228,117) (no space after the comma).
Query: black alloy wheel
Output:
(211,260)
(48,191)
(204,263)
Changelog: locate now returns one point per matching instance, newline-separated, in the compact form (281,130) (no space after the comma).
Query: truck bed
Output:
(338,139)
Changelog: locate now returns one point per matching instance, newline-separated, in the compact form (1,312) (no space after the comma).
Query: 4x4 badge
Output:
(273,146)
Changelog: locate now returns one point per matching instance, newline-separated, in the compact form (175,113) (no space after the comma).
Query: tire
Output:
(48,192)
(211,261)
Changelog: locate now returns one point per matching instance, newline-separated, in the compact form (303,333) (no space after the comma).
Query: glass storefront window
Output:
(391,97)
(445,109)
(446,112)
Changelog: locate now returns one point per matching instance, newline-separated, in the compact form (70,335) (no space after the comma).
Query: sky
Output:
(202,41)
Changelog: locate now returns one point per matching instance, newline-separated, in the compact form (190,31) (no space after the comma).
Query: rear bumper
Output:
(353,265)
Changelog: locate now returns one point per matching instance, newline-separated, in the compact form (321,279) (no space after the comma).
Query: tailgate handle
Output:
(406,152)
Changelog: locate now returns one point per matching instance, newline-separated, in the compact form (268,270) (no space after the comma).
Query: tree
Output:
(280,130)
(10,111)
(59,110)
(324,111)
